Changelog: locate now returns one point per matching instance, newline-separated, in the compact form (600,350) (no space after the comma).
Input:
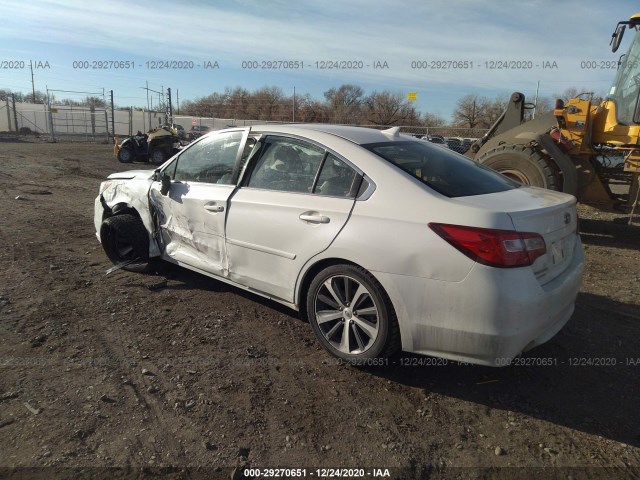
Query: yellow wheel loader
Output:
(580,147)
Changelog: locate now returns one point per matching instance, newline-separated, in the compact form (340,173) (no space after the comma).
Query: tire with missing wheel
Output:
(523,164)
(351,315)
(125,238)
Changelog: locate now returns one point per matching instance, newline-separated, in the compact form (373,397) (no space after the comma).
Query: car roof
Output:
(358,135)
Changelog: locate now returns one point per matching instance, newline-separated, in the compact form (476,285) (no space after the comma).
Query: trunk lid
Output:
(551,214)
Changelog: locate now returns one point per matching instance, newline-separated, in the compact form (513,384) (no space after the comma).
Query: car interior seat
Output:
(338,183)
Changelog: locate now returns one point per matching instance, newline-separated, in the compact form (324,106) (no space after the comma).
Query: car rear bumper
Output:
(489,317)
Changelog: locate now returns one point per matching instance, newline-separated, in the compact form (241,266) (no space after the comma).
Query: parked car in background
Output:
(180,130)
(197,131)
(455,144)
(438,140)
(382,241)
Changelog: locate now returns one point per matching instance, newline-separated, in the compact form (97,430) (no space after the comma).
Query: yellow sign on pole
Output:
(412,96)
(54,110)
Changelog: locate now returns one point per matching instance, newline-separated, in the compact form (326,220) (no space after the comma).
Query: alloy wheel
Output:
(346,314)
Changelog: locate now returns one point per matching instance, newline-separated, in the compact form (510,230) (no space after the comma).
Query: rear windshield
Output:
(446,172)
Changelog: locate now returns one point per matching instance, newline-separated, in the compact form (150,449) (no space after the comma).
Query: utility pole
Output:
(33,85)
(53,130)
(150,100)
(294,105)
(148,106)
(113,122)
(169,107)
(535,103)
(178,101)
(161,102)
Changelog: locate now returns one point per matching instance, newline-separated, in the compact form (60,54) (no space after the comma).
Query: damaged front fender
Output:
(118,196)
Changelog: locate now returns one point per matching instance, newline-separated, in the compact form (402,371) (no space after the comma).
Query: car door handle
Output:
(314,218)
(214,208)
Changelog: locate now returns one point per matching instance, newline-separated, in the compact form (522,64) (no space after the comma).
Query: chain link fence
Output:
(58,122)
(99,124)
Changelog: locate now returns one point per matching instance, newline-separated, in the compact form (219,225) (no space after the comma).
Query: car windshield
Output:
(447,173)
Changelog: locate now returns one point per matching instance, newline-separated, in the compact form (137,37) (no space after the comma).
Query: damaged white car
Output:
(382,241)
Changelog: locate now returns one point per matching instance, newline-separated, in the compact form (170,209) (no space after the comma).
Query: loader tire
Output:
(523,164)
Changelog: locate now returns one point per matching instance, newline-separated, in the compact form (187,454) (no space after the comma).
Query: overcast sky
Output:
(559,34)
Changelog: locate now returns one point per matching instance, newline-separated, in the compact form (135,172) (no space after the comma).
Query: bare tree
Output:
(470,110)
(492,111)
(386,108)
(266,103)
(211,105)
(311,111)
(20,97)
(345,103)
(94,102)
(542,106)
(573,92)
(432,120)
(237,102)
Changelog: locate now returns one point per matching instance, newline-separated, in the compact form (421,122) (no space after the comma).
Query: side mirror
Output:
(616,38)
(166,183)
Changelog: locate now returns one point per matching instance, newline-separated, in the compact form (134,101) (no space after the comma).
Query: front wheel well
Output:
(121,208)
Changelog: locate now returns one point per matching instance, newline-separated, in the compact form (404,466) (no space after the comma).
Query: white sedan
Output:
(383,241)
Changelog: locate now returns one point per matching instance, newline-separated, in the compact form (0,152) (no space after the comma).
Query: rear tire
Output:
(348,300)
(124,238)
(524,165)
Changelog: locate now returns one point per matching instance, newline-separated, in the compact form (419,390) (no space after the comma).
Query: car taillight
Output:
(496,248)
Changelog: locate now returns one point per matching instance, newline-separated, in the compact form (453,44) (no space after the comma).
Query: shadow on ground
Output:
(606,233)
(591,380)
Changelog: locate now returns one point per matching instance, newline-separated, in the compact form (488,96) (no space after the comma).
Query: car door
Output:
(191,216)
(280,217)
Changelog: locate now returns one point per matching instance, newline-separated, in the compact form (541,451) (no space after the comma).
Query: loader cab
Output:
(625,92)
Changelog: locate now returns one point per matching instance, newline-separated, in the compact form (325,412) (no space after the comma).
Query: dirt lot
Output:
(125,371)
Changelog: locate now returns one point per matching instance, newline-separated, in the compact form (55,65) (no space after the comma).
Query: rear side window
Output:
(336,178)
(447,173)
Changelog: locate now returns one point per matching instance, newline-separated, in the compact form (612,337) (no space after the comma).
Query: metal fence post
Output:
(8,114)
(53,128)
(93,120)
(15,114)
(113,124)
(106,123)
